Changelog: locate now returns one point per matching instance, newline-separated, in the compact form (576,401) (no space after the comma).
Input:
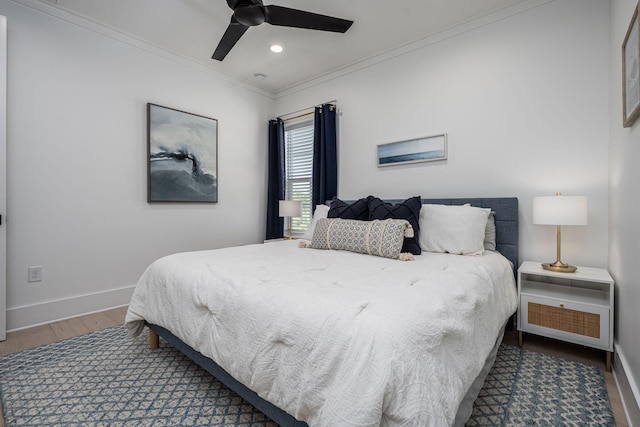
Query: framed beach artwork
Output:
(631,73)
(426,149)
(182,156)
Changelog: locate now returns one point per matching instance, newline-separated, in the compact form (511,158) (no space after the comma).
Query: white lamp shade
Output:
(560,210)
(291,208)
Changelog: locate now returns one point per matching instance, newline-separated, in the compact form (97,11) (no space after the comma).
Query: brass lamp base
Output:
(559,267)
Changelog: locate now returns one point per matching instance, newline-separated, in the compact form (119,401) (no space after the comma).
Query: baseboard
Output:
(627,387)
(51,311)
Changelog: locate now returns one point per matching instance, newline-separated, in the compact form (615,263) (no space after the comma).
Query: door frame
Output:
(3,177)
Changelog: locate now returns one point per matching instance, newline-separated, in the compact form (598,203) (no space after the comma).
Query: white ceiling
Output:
(192,29)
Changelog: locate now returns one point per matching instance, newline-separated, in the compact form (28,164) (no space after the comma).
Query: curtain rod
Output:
(286,116)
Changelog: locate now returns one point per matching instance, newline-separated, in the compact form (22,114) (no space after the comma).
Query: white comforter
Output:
(335,338)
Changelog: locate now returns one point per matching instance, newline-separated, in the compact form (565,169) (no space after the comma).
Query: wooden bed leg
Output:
(519,338)
(154,340)
(608,364)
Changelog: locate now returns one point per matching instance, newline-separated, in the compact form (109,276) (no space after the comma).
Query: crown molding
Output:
(51,9)
(410,47)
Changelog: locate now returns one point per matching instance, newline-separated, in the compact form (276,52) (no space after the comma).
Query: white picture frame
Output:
(631,72)
(425,149)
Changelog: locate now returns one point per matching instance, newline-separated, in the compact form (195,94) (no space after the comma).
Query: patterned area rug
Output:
(107,379)
(525,388)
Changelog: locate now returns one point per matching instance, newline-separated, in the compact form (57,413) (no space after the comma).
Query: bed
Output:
(325,337)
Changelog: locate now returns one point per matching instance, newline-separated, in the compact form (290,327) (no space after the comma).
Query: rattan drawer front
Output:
(569,321)
(563,319)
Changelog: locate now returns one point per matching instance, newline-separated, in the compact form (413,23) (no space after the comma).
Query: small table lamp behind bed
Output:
(290,209)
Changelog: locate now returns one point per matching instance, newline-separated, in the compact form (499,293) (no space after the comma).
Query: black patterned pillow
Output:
(381,238)
(357,210)
(409,210)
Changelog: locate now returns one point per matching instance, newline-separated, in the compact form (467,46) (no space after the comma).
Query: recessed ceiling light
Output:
(259,76)
(276,48)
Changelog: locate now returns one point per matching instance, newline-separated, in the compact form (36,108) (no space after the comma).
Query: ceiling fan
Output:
(249,13)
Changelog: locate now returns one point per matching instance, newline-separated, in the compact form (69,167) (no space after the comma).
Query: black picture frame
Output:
(182,161)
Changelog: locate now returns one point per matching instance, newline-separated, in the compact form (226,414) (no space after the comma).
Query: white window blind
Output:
(299,169)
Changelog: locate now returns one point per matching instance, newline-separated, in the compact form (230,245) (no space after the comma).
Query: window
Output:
(298,136)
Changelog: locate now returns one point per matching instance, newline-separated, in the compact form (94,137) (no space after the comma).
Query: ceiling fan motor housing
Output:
(249,15)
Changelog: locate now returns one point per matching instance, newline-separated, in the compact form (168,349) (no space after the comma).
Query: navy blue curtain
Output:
(275,183)
(325,155)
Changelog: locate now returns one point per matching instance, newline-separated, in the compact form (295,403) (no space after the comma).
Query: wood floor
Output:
(45,334)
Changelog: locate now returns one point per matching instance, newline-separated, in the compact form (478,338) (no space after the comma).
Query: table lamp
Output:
(560,210)
(289,209)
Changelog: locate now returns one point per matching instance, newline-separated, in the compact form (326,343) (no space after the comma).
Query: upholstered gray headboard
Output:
(506,218)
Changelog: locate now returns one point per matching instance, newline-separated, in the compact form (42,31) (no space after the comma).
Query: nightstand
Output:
(573,307)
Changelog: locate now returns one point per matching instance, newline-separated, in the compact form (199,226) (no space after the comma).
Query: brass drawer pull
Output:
(562,305)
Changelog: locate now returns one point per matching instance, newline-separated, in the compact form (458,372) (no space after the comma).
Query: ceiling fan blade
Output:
(286,17)
(235,30)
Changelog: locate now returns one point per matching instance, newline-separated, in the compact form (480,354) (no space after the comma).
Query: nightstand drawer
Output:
(566,320)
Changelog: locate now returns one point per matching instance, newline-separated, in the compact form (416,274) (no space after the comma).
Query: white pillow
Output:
(453,229)
(320,212)
(490,233)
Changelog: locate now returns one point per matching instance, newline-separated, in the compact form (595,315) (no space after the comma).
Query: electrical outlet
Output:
(35,274)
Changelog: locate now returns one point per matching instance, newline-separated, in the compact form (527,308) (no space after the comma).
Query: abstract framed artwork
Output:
(182,156)
(631,72)
(426,149)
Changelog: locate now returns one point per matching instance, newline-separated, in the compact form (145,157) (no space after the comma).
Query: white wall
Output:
(624,205)
(524,101)
(77,164)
